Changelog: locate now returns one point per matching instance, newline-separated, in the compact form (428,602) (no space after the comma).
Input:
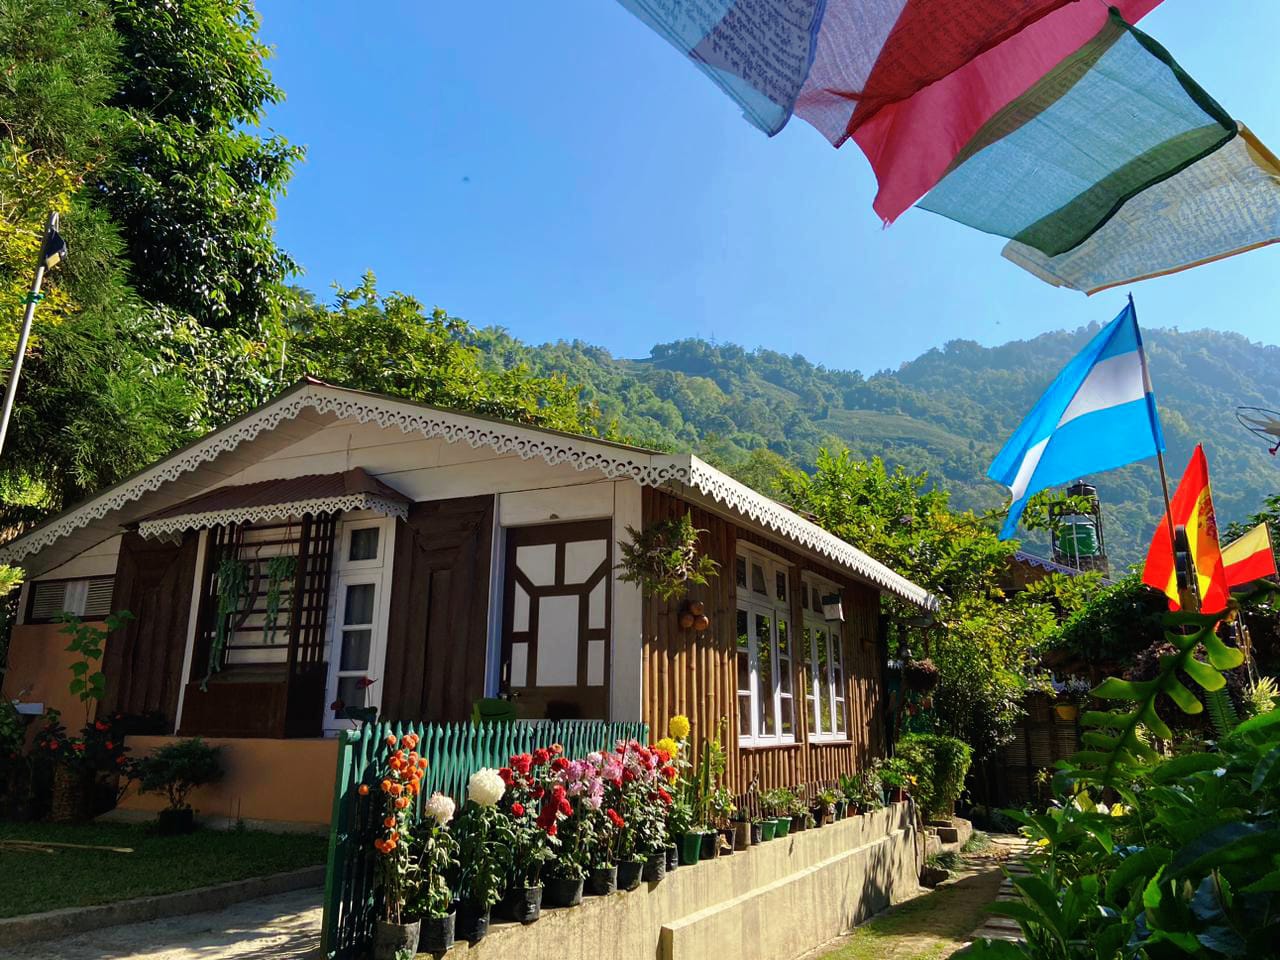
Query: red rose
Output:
(517,809)
(565,807)
(627,776)
(100,726)
(666,797)
(551,830)
(505,774)
(537,793)
(540,756)
(559,763)
(615,818)
(521,763)
(670,773)
(664,757)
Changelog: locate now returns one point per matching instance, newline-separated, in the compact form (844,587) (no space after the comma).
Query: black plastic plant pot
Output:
(562,891)
(629,872)
(602,881)
(655,868)
(673,857)
(710,846)
(390,940)
(522,904)
(436,934)
(473,922)
(757,833)
(171,823)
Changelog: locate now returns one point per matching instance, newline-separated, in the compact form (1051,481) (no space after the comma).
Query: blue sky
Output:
(558,170)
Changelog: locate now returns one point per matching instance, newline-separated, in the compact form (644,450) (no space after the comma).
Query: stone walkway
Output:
(1003,928)
(283,927)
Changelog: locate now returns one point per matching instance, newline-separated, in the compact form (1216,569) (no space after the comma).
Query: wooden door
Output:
(556,617)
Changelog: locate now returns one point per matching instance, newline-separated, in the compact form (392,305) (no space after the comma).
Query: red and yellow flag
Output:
(1249,558)
(1192,507)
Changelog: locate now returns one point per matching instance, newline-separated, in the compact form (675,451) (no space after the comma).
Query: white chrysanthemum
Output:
(485,788)
(440,808)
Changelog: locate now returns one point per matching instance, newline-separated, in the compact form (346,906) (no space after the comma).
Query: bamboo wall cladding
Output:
(693,673)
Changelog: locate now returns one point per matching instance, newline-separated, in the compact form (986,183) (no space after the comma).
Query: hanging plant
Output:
(279,570)
(663,560)
(233,579)
(920,676)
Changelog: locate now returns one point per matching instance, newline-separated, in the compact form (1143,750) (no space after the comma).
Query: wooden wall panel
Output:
(694,674)
(142,663)
(438,628)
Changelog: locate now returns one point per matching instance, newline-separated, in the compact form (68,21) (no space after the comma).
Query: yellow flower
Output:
(679,726)
(669,745)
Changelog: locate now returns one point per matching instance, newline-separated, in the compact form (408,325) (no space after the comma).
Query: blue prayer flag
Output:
(1098,414)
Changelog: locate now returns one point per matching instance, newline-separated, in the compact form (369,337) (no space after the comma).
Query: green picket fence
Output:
(454,751)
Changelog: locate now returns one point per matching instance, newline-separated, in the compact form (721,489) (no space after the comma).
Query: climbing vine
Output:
(280,570)
(232,579)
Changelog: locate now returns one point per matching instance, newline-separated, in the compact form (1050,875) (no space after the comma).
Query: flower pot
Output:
(522,904)
(602,881)
(562,892)
(1066,711)
(897,795)
(741,835)
(655,868)
(391,939)
(709,848)
(436,934)
(768,829)
(473,922)
(842,809)
(781,826)
(673,857)
(822,814)
(690,848)
(799,822)
(629,874)
(726,842)
(757,832)
(172,823)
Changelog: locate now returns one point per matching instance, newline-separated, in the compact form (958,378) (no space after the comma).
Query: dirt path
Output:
(935,924)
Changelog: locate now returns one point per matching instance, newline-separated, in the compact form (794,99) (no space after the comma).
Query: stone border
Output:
(33,927)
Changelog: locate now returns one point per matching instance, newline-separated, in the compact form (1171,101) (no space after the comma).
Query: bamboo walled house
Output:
(336,550)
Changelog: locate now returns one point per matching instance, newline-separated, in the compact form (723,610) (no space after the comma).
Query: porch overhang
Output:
(269,500)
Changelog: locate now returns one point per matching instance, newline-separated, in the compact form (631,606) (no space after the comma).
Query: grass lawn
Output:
(38,881)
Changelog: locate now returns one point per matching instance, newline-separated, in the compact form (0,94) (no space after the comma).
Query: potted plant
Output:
(175,770)
(401,775)
(1072,694)
(824,807)
(799,810)
(895,775)
(842,803)
(534,809)
(436,855)
(664,560)
(485,843)
(920,676)
(571,820)
(782,802)
(723,810)
(602,878)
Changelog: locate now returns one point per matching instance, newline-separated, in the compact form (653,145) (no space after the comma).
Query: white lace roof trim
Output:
(615,462)
(168,526)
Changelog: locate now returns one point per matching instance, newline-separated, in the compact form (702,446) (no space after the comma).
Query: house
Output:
(336,549)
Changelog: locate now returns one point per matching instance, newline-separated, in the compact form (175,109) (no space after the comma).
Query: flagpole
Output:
(1164,477)
(25,334)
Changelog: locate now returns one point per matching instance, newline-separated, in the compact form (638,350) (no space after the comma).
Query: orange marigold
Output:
(363,790)
(386,786)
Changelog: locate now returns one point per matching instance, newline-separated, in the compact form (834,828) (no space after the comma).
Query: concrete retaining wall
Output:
(771,902)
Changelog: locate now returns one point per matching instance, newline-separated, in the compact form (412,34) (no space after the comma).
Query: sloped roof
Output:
(311,405)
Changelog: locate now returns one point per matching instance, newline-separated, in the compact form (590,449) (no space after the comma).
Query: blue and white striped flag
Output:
(1099,413)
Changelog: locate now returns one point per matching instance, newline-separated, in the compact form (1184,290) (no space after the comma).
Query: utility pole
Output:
(53,249)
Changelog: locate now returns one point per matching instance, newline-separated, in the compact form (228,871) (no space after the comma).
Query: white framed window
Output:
(823,650)
(765,652)
(358,627)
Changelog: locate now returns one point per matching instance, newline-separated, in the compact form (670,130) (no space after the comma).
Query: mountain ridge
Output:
(946,411)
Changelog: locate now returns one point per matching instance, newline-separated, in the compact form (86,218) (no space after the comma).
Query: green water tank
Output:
(1078,538)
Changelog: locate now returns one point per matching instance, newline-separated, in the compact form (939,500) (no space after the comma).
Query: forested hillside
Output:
(948,411)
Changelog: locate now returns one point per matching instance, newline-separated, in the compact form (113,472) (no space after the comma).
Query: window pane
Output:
(784,658)
(359,606)
(744,715)
(840,717)
(764,675)
(364,544)
(757,579)
(780,579)
(350,693)
(744,672)
(355,650)
(740,568)
(788,724)
(824,681)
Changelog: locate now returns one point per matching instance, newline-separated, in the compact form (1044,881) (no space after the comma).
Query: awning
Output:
(277,500)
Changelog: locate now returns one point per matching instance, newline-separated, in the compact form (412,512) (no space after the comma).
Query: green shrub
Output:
(939,763)
(178,768)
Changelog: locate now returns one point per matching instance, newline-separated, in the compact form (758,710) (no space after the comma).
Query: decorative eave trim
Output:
(614,462)
(168,527)
(767,512)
